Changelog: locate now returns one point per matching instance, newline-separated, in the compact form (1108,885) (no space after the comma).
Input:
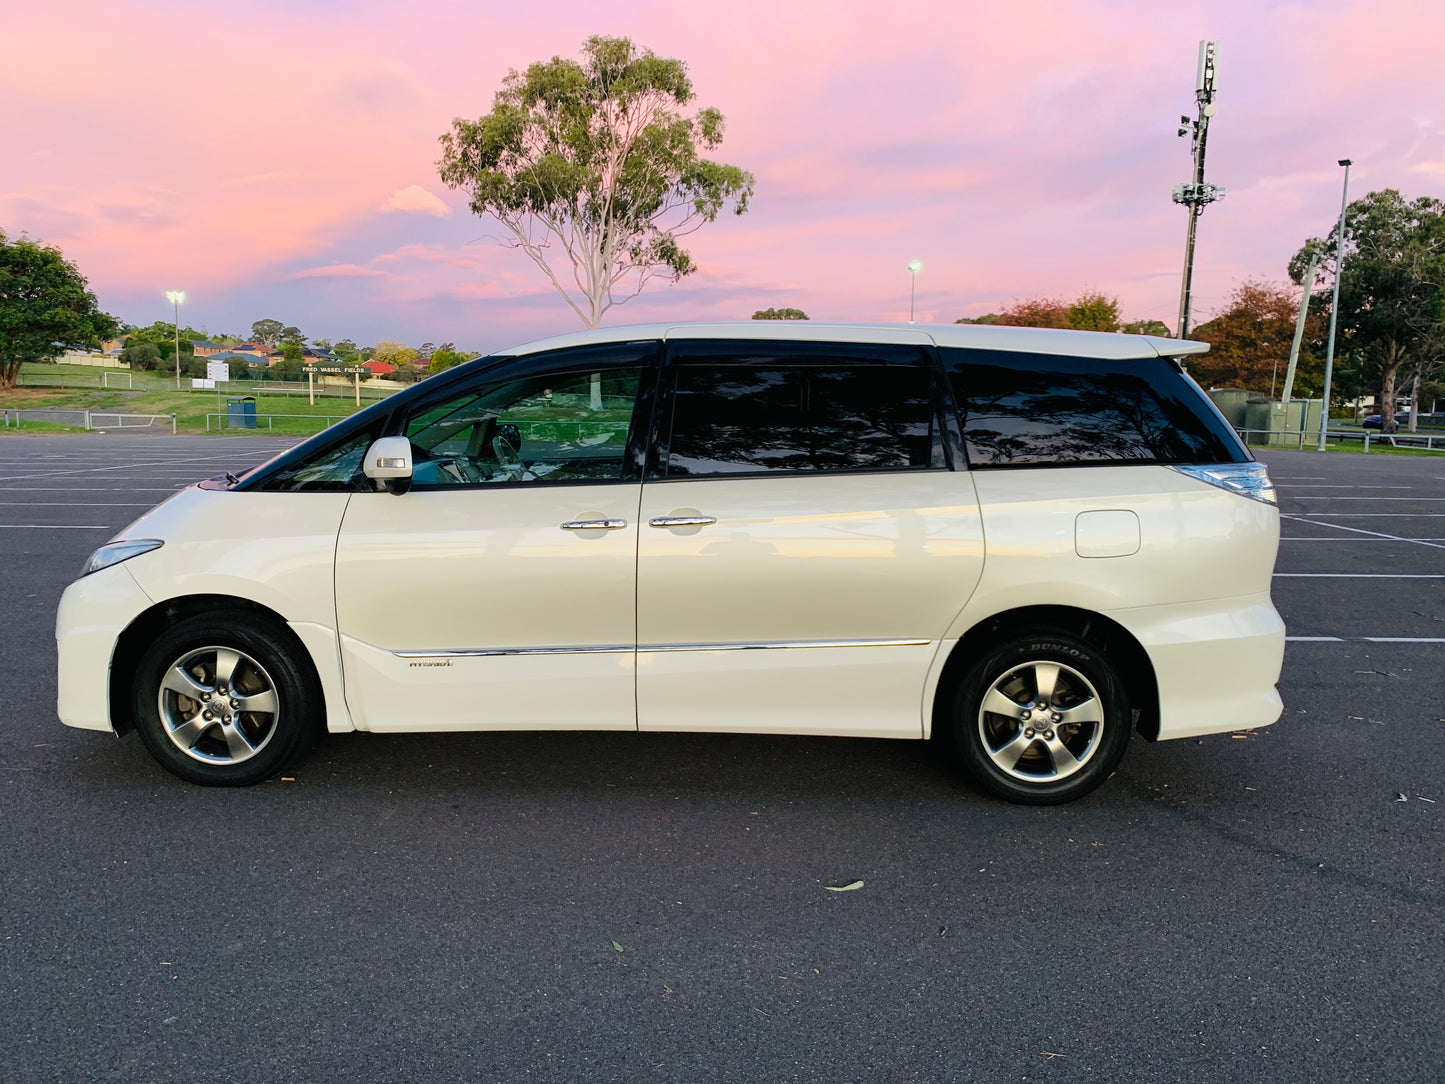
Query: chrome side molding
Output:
(681,521)
(762,645)
(775,645)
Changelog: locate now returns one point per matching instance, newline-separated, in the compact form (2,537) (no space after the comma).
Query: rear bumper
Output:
(1216,663)
(93,612)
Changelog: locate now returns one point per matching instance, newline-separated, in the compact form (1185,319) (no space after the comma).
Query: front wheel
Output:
(224,699)
(1041,719)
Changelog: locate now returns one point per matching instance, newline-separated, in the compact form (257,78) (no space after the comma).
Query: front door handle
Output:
(594,524)
(681,521)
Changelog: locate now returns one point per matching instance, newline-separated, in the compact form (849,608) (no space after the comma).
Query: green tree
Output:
(292,335)
(1249,343)
(266,332)
(141,355)
(45,303)
(1093,311)
(1036,312)
(445,358)
(986,318)
(347,351)
(321,344)
(393,353)
(780,314)
(1391,317)
(592,163)
(1148,327)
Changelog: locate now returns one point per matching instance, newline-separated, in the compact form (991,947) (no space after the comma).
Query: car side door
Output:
(804,540)
(499,591)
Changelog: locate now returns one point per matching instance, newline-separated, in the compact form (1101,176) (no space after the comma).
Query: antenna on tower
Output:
(1197,193)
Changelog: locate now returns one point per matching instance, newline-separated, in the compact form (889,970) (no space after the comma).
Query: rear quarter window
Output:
(1024,410)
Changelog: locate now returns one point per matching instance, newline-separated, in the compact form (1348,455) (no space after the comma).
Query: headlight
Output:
(1246,479)
(115,552)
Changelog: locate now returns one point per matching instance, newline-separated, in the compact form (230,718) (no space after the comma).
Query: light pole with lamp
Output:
(913,270)
(175,297)
(1334,311)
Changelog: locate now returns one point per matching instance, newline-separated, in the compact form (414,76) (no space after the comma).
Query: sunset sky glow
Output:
(277,159)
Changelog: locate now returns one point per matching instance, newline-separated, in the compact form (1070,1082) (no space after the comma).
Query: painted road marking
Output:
(1361,530)
(1362,575)
(1365,639)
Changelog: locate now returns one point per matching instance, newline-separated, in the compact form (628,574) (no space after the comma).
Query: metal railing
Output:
(223,421)
(1424,441)
(85,419)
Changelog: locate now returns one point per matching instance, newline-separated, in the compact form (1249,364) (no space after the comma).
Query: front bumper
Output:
(94,611)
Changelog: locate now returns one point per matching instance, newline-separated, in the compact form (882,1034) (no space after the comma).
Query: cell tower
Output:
(1196,194)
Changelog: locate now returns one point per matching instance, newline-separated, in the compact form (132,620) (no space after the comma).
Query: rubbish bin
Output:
(241,412)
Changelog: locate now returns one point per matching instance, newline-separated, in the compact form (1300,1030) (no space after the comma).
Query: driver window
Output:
(565,428)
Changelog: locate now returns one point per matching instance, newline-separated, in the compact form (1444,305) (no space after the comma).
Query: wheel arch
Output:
(131,644)
(1122,648)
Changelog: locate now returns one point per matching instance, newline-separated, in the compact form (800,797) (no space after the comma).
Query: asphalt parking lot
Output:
(609,907)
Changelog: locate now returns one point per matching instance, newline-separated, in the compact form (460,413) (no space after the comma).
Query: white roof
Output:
(1029,340)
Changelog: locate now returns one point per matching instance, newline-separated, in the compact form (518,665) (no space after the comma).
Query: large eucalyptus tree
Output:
(595,172)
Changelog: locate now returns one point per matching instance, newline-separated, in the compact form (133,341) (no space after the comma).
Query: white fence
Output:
(86,419)
(1300,438)
(224,421)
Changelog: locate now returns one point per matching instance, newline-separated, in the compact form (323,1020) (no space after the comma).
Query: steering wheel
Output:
(509,459)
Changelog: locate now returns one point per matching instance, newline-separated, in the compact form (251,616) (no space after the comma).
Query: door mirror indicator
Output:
(388,461)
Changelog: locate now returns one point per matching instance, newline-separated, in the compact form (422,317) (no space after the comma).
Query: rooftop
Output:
(1029,340)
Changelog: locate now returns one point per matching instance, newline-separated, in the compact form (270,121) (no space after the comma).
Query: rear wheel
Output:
(1041,719)
(225,699)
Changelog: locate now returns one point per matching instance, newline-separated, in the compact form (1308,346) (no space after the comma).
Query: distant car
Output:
(1372,421)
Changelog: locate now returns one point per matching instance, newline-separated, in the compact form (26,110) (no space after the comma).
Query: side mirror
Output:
(388,460)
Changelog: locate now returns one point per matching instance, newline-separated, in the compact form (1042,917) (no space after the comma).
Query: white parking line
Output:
(1361,575)
(1353,487)
(1365,639)
(93,504)
(1301,538)
(1332,497)
(61,526)
(1361,530)
(1380,515)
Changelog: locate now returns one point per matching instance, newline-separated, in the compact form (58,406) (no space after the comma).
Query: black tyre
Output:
(1041,719)
(226,699)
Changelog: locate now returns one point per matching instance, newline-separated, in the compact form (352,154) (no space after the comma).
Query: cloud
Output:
(414,199)
(339,271)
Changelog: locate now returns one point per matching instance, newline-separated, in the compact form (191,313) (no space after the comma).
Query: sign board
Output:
(202,384)
(217,370)
(337,370)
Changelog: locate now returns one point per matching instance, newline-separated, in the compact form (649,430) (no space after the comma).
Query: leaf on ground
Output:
(845,888)
(617,946)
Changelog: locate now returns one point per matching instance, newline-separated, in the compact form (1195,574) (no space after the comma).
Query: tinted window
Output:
(546,427)
(332,467)
(1029,409)
(780,410)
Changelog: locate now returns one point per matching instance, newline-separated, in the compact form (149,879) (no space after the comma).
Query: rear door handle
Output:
(594,524)
(681,521)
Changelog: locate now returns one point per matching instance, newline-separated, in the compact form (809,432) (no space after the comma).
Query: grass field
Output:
(76,387)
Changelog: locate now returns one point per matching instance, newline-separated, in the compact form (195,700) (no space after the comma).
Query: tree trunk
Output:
(1415,404)
(9,375)
(1387,398)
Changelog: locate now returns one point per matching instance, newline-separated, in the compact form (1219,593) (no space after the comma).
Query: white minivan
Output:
(1026,544)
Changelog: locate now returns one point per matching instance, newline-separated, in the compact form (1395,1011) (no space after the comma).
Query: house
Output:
(379,368)
(205,349)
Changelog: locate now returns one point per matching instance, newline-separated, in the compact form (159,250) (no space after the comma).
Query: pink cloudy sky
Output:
(276,159)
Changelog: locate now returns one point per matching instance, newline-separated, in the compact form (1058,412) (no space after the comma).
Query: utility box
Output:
(241,412)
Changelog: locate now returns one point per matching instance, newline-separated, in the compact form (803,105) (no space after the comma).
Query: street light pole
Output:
(1334,312)
(176,297)
(913,270)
